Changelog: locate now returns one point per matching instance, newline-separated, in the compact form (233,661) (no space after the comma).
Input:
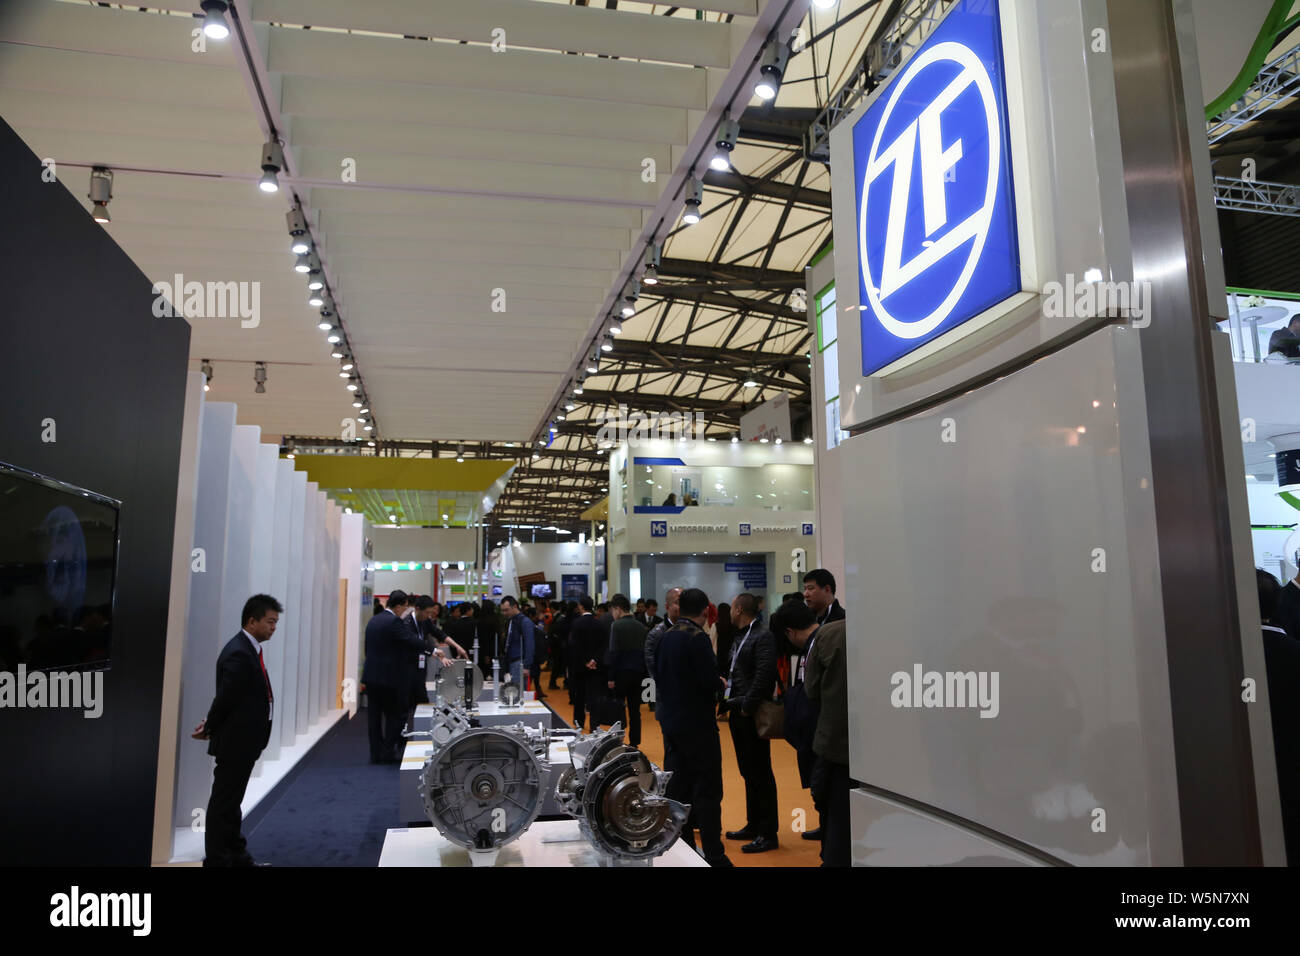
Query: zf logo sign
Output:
(937,241)
(807,527)
(658,529)
(744,528)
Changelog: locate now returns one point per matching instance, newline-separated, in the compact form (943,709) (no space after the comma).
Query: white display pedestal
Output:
(553,843)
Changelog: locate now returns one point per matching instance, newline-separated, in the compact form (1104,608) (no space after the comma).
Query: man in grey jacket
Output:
(826,681)
(752,676)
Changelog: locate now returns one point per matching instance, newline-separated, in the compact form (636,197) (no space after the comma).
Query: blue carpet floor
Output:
(335,811)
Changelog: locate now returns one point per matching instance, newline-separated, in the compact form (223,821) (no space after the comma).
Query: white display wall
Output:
(258,526)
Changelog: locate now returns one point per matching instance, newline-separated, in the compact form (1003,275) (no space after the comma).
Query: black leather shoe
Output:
(745,833)
(760,845)
(812,834)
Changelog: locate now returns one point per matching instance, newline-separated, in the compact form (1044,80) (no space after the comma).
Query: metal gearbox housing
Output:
(482,788)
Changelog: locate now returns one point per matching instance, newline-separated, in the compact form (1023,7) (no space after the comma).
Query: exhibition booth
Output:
(249,522)
(753,529)
(561,570)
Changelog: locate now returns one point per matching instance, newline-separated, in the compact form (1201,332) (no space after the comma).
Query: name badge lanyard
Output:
(735,654)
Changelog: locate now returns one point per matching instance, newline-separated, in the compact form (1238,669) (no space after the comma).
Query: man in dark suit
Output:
(588,640)
(819,594)
(386,677)
(794,628)
(237,728)
(751,677)
(686,682)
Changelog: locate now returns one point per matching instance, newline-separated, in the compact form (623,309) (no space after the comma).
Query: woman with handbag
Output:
(751,678)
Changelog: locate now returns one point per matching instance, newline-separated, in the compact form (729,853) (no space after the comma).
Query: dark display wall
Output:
(81,346)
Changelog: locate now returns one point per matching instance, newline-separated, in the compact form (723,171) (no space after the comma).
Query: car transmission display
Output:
(482,787)
(617,796)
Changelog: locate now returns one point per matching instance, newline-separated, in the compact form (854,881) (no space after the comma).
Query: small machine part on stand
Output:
(462,682)
(496,680)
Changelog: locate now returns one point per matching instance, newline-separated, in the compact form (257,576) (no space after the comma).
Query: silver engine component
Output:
(617,796)
(448,722)
(462,682)
(483,787)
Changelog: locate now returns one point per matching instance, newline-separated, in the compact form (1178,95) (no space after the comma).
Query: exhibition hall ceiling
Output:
(471,207)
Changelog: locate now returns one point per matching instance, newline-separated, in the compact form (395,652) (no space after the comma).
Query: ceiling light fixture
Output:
(296,223)
(651,276)
(771,69)
(272,163)
(724,141)
(630,291)
(214,19)
(259,376)
(101,191)
(694,199)
(206,368)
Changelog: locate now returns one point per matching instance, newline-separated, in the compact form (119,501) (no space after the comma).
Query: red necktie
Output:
(262,661)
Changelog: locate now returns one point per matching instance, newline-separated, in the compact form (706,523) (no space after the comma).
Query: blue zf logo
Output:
(807,527)
(658,529)
(937,240)
(744,528)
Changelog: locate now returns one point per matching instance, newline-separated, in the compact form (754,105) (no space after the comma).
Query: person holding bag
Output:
(751,678)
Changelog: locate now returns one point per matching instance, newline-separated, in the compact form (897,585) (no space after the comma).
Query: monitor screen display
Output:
(58,558)
(544,590)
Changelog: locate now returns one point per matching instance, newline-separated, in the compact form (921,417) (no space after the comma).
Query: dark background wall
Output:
(79,344)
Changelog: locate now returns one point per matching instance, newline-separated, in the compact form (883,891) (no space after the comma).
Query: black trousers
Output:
(831,789)
(754,755)
(806,760)
(223,844)
(386,713)
(556,662)
(577,684)
(695,761)
(627,690)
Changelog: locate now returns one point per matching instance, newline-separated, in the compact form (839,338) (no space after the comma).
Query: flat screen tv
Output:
(544,590)
(58,563)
